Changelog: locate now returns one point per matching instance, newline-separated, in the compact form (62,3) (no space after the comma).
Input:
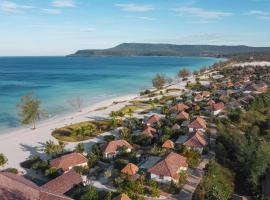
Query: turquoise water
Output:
(54,80)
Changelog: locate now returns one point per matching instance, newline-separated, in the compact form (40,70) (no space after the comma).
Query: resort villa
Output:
(111,149)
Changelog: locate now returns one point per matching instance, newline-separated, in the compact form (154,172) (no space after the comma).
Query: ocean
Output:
(56,80)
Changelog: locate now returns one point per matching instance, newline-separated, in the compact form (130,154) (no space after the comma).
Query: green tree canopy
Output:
(159,81)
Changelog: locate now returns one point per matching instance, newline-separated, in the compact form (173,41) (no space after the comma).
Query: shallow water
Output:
(55,80)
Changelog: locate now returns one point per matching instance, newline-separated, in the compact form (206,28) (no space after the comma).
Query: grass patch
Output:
(84,130)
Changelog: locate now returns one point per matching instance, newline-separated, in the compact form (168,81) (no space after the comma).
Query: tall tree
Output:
(3,160)
(159,81)
(183,73)
(30,110)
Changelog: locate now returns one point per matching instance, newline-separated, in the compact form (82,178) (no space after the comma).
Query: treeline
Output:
(243,145)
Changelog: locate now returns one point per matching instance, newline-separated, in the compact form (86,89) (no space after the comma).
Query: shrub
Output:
(12,170)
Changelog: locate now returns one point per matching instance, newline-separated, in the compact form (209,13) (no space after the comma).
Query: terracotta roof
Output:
(16,187)
(182,116)
(149,131)
(122,197)
(153,119)
(206,93)
(179,107)
(257,87)
(169,166)
(130,169)
(168,144)
(211,102)
(67,161)
(63,183)
(114,145)
(198,123)
(198,97)
(176,127)
(196,140)
(218,106)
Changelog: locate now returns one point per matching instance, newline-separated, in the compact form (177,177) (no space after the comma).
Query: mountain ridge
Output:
(150,49)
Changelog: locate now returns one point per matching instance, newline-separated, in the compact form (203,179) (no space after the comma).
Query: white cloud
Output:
(63,3)
(51,11)
(259,14)
(201,13)
(134,7)
(141,18)
(8,6)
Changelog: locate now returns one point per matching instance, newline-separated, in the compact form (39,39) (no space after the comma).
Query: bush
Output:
(159,81)
(12,170)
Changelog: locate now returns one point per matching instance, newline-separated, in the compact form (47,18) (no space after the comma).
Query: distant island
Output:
(144,49)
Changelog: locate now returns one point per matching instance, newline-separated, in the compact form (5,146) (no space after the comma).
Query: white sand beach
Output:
(19,144)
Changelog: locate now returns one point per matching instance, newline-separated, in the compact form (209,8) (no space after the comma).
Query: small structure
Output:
(256,88)
(179,107)
(211,102)
(198,124)
(16,187)
(149,162)
(206,94)
(168,169)
(198,98)
(110,150)
(217,108)
(168,144)
(196,141)
(176,127)
(182,116)
(153,120)
(130,169)
(67,162)
(122,197)
(149,131)
(63,183)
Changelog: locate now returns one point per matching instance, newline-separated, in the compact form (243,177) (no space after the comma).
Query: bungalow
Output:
(211,102)
(122,197)
(196,141)
(130,169)
(168,144)
(198,98)
(67,162)
(217,108)
(16,187)
(198,124)
(182,116)
(110,150)
(206,94)
(153,120)
(149,131)
(176,127)
(168,169)
(179,107)
(63,183)
(256,88)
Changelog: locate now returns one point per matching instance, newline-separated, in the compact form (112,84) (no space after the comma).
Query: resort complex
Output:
(203,135)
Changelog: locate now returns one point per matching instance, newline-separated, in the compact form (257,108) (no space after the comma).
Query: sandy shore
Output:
(19,144)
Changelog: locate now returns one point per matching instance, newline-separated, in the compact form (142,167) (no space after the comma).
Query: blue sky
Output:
(59,27)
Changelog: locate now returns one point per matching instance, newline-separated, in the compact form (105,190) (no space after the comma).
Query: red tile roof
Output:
(211,102)
(206,94)
(153,119)
(198,123)
(15,187)
(149,131)
(169,166)
(182,116)
(68,161)
(196,140)
(176,127)
(198,97)
(168,144)
(179,107)
(63,183)
(130,169)
(114,145)
(218,106)
(122,197)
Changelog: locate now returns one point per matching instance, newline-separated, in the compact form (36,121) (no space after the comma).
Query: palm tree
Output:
(80,148)
(3,160)
(49,148)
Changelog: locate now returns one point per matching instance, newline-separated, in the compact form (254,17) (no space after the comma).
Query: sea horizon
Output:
(57,79)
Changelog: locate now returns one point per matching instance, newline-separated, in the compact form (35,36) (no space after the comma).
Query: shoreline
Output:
(19,144)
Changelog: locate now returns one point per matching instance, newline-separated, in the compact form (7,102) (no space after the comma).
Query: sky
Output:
(60,27)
